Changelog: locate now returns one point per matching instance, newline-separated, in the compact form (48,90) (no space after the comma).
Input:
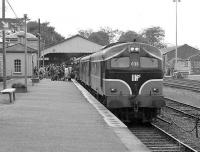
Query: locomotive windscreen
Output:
(121,62)
(146,62)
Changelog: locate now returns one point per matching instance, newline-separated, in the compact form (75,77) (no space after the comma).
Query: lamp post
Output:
(176,52)
(4,47)
(39,37)
(25,45)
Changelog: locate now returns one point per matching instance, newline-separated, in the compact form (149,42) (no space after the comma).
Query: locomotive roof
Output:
(111,51)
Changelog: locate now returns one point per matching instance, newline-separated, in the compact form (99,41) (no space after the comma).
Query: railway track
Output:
(185,109)
(158,140)
(182,121)
(164,134)
(193,85)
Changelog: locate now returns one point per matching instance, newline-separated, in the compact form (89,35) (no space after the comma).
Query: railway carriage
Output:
(127,78)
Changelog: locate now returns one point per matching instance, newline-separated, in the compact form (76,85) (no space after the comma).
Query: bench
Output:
(35,80)
(11,92)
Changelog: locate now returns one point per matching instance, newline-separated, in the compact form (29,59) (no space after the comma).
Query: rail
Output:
(186,147)
(192,85)
(185,110)
(157,139)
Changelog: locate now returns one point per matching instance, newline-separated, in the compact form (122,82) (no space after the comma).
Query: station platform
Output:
(58,116)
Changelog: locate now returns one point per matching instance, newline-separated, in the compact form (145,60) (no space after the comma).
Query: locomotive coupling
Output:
(134,102)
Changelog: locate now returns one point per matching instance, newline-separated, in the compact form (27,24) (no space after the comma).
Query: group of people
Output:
(54,72)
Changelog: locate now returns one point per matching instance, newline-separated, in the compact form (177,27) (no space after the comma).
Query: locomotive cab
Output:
(134,81)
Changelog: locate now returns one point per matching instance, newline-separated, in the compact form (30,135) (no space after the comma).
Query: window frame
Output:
(142,66)
(120,67)
(17,66)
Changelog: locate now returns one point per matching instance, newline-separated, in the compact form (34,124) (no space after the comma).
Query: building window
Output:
(17,65)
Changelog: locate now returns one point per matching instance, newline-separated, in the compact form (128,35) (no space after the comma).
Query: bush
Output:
(18,85)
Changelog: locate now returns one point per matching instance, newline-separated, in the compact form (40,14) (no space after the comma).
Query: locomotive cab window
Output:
(146,62)
(122,62)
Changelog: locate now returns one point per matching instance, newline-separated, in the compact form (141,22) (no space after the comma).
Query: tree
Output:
(131,36)
(85,33)
(155,35)
(113,34)
(48,33)
(128,36)
(100,37)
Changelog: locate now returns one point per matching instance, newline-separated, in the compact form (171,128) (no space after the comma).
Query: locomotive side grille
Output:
(134,78)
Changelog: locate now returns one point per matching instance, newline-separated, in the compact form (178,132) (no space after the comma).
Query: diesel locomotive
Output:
(127,78)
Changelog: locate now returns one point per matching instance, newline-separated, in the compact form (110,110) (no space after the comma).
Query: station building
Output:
(15,54)
(188,60)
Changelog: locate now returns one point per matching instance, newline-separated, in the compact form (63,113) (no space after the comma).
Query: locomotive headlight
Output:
(113,90)
(155,90)
(134,50)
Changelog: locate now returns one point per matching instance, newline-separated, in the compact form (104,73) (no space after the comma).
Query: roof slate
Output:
(77,35)
(19,48)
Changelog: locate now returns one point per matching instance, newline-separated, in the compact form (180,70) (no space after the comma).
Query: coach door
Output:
(102,75)
(89,72)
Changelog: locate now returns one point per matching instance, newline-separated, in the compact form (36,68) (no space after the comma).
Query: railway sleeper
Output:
(143,115)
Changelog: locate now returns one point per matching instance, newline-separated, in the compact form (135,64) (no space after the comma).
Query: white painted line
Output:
(151,80)
(108,116)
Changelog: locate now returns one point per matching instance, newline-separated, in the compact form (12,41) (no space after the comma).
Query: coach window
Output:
(96,68)
(17,65)
(122,62)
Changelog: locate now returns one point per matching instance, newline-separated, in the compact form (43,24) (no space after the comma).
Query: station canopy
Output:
(74,44)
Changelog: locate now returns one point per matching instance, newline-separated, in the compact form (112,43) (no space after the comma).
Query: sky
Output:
(70,16)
